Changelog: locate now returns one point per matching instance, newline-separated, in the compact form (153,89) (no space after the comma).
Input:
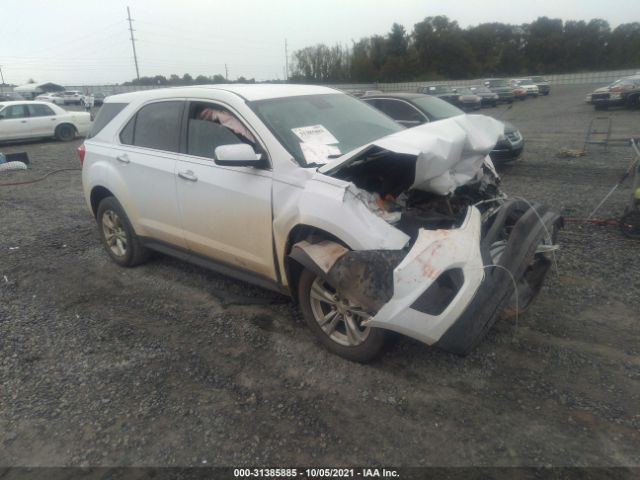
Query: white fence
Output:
(590,78)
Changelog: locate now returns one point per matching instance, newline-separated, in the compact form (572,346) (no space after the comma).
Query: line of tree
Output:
(186,79)
(438,48)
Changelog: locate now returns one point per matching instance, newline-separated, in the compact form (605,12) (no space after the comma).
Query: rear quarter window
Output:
(156,126)
(107,112)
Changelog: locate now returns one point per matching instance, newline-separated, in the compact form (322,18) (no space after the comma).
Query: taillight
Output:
(81,153)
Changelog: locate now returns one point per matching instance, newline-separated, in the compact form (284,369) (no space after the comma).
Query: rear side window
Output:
(37,110)
(107,112)
(155,126)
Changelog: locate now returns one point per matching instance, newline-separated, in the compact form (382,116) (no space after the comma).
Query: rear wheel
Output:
(118,237)
(65,132)
(336,322)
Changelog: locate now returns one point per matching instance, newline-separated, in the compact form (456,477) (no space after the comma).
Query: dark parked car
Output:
(10,97)
(445,92)
(487,97)
(501,87)
(623,92)
(412,109)
(467,100)
(98,99)
(543,85)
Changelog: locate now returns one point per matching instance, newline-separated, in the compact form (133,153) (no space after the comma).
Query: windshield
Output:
(525,81)
(538,79)
(464,91)
(314,128)
(435,108)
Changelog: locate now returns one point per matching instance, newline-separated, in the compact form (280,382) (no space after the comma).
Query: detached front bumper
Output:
(446,291)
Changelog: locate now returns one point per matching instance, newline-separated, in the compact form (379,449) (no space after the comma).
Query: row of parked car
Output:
(486,93)
(624,92)
(67,97)
(490,92)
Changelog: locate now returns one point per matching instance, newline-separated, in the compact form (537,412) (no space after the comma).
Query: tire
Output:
(65,132)
(630,224)
(633,102)
(370,340)
(118,237)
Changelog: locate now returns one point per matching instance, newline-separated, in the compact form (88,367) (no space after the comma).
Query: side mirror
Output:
(236,155)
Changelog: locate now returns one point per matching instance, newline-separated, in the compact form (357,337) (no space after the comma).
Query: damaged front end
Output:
(472,252)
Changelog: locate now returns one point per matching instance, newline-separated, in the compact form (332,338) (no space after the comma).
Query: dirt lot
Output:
(169,364)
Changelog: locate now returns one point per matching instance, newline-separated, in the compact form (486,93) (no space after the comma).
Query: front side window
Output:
(15,111)
(40,111)
(314,128)
(210,126)
(155,126)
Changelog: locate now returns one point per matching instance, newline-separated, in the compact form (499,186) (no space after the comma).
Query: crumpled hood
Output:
(449,153)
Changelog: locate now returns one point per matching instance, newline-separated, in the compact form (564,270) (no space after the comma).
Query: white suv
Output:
(313,193)
(72,97)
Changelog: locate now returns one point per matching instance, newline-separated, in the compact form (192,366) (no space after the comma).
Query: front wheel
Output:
(336,322)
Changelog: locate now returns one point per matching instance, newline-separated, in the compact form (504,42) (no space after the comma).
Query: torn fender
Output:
(449,153)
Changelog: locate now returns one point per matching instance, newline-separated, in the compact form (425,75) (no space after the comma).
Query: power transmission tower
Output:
(133,44)
(286,61)
(1,76)
(226,72)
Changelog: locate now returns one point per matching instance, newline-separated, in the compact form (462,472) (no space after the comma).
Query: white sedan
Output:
(21,120)
(56,98)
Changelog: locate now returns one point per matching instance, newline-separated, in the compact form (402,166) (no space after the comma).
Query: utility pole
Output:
(1,76)
(133,44)
(286,61)
(226,72)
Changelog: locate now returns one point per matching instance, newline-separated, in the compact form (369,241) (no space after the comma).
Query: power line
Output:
(133,44)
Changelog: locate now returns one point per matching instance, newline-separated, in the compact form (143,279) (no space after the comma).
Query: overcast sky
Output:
(87,42)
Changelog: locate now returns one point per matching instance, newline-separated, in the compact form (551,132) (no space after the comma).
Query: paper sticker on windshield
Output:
(315,134)
(318,152)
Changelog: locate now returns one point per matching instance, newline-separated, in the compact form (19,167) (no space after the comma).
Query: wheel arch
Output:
(98,193)
(293,269)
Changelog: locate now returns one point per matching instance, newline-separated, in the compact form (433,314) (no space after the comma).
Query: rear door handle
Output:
(123,158)
(188,175)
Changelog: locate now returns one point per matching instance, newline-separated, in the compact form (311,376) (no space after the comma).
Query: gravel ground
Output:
(169,364)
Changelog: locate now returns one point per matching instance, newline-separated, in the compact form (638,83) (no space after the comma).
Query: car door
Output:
(226,211)
(14,122)
(145,160)
(43,119)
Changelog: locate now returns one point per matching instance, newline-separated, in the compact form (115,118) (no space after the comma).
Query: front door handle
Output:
(188,175)
(23,121)
(123,158)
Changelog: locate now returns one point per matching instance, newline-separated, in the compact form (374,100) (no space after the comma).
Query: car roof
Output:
(25,102)
(249,92)
(398,95)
